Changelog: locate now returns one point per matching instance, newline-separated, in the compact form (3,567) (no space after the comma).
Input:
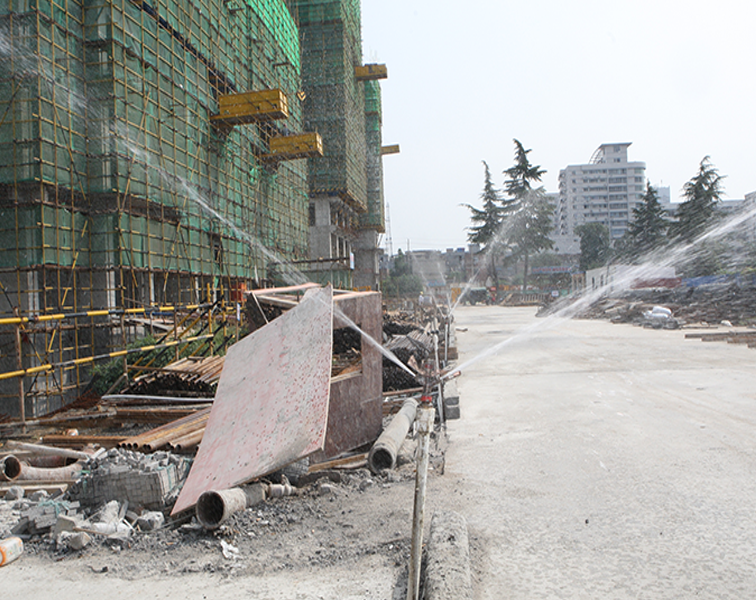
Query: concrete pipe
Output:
(15,470)
(213,508)
(382,455)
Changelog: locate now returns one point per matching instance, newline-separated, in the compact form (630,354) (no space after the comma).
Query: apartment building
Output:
(604,190)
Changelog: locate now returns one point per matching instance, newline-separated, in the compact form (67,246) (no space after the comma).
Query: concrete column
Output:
(321,229)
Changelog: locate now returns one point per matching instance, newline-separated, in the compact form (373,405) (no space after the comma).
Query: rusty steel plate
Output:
(271,407)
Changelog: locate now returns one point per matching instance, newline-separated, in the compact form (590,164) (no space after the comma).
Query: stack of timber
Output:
(747,336)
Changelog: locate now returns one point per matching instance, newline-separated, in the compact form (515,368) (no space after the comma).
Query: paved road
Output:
(603,461)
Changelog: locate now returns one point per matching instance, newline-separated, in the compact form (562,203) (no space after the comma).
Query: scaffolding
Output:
(118,189)
(343,184)
(375,217)
(335,101)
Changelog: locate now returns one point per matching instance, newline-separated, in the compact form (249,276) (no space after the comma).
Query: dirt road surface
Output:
(591,461)
(603,461)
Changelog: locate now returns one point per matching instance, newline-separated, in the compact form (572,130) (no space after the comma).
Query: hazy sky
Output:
(677,79)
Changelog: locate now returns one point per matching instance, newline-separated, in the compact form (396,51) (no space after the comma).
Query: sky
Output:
(676,79)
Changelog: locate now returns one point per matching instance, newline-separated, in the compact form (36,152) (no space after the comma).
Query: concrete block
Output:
(14,493)
(65,523)
(151,520)
(79,540)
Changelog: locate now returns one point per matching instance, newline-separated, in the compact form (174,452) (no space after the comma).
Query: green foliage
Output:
(486,228)
(402,286)
(518,223)
(522,175)
(595,245)
(647,231)
(401,281)
(486,221)
(531,212)
(532,224)
(701,194)
(105,374)
(549,259)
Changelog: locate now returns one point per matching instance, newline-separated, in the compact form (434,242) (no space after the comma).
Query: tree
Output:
(531,226)
(595,245)
(401,281)
(528,208)
(701,195)
(647,230)
(487,223)
(522,175)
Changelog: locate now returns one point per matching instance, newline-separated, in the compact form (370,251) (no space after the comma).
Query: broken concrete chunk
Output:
(150,520)
(229,552)
(79,540)
(65,523)
(14,493)
(73,540)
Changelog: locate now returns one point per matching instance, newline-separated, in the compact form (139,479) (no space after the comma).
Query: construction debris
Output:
(133,486)
(703,305)
(144,480)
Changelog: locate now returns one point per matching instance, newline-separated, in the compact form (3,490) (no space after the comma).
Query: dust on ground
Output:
(351,522)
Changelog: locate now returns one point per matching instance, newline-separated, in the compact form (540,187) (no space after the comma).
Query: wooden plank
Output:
(350,462)
(51,487)
(390,149)
(79,441)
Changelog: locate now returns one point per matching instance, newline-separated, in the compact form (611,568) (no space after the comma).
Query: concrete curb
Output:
(447,572)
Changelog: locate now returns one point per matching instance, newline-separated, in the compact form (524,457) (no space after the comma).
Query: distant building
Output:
(604,190)
(563,243)
(612,278)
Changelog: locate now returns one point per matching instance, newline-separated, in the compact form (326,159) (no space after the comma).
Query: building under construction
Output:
(158,157)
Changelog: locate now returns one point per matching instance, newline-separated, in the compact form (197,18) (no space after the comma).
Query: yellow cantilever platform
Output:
(248,107)
(370,72)
(290,147)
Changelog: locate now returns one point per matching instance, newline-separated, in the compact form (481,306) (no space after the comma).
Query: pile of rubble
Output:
(702,305)
(122,499)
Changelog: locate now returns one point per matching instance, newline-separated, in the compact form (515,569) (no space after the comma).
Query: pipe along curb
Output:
(447,572)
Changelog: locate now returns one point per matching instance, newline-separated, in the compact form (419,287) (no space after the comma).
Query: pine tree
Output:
(595,245)
(487,223)
(522,175)
(701,193)
(531,226)
(647,231)
(527,207)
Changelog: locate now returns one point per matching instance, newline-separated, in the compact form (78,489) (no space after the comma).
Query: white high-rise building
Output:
(605,190)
